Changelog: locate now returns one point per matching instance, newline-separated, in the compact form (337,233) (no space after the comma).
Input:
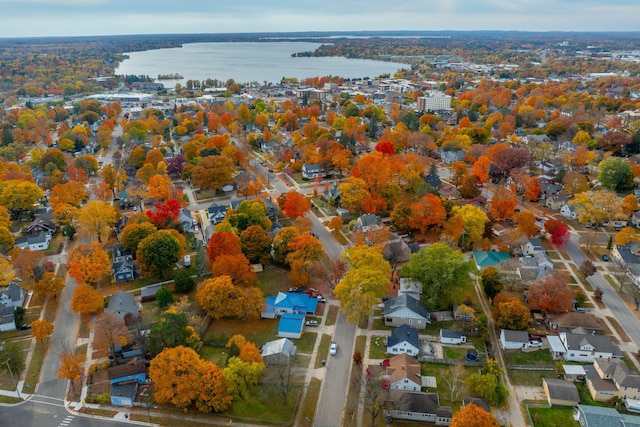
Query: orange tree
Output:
(221,299)
(87,263)
(40,329)
(87,300)
(235,266)
(473,416)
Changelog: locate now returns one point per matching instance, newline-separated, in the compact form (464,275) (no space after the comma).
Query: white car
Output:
(333,350)
(535,343)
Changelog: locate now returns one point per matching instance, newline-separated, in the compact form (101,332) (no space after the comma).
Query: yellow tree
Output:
(88,263)
(221,299)
(160,187)
(594,207)
(96,219)
(40,329)
(630,204)
(473,416)
(70,368)
(49,285)
(87,300)
(627,235)
(6,271)
(474,221)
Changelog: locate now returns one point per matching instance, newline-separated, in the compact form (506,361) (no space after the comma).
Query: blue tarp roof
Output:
(291,323)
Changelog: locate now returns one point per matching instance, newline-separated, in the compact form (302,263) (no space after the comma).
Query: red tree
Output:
(164,213)
(386,147)
(560,235)
(223,243)
(295,205)
(551,293)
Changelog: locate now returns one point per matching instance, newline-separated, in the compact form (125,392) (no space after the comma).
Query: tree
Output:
(71,368)
(165,214)
(49,285)
(6,240)
(223,243)
(164,297)
(474,221)
(242,375)
(630,204)
(560,235)
(160,187)
(249,353)
(235,266)
(365,283)
(473,416)
(532,189)
(615,174)
(158,253)
(596,207)
(255,244)
(453,377)
(575,183)
(133,233)
(503,204)
(212,172)
(18,195)
(25,262)
(182,378)
(491,281)
(221,299)
(70,193)
(96,219)
(481,169)
(587,268)
(626,235)
(375,392)
(87,300)
(172,331)
(471,185)
(110,332)
(443,283)
(487,386)
(6,271)
(184,282)
(336,224)
(510,313)
(295,204)
(427,212)
(281,243)
(526,222)
(551,293)
(40,329)
(303,251)
(88,263)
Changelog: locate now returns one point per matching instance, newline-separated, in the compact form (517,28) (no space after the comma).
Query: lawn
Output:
(310,403)
(377,348)
(33,370)
(585,396)
(529,378)
(619,329)
(539,357)
(217,355)
(307,342)
(454,353)
(323,350)
(151,313)
(266,403)
(258,331)
(438,371)
(271,281)
(332,316)
(584,281)
(555,416)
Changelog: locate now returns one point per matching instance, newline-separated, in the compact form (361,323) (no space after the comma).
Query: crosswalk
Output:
(67,420)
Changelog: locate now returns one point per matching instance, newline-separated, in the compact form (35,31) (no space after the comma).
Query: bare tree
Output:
(621,275)
(454,379)
(110,333)
(587,268)
(375,389)
(634,292)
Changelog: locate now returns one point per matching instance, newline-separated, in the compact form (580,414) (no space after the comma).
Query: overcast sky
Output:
(24,18)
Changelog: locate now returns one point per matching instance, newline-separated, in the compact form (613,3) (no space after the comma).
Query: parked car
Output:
(298,289)
(321,298)
(333,350)
(535,343)
(311,323)
(24,327)
(186,261)
(385,299)
(605,257)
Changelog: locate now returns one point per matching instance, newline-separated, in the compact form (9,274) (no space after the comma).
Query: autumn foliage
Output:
(221,299)
(551,293)
(88,263)
(40,329)
(87,300)
(237,267)
(223,243)
(473,416)
(295,205)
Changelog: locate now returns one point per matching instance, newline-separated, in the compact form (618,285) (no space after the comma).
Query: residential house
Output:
(448,336)
(123,305)
(332,194)
(7,318)
(216,213)
(560,392)
(552,195)
(12,295)
(514,340)
(532,246)
(403,339)
(599,416)
(451,156)
(635,219)
(312,171)
(292,303)
(575,322)
(186,220)
(278,352)
(588,347)
(433,180)
(625,255)
(411,287)
(124,380)
(291,325)
(480,402)
(38,234)
(568,211)
(123,267)
(485,259)
(403,373)
(417,406)
(406,310)
(369,222)
(626,385)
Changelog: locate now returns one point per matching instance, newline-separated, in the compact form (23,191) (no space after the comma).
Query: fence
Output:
(532,367)
(432,359)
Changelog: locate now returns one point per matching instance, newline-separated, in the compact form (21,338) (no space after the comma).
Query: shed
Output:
(291,325)
(278,352)
(448,336)
(574,372)
(560,392)
(513,340)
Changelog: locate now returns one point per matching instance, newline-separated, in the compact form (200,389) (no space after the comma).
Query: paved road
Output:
(610,296)
(336,380)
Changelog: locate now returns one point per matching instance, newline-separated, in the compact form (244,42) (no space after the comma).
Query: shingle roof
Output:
(404,333)
(601,343)
(120,371)
(562,389)
(515,336)
(404,366)
(283,345)
(448,333)
(408,302)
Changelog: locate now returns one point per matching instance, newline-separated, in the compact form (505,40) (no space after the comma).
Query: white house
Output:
(403,373)
(532,246)
(448,336)
(403,339)
(278,352)
(514,340)
(406,310)
(568,212)
(7,319)
(588,347)
(417,406)
(312,171)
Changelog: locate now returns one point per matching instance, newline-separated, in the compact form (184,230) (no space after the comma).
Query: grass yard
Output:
(585,396)
(377,347)
(307,342)
(33,370)
(454,353)
(529,378)
(332,316)
(439,371)
(310,403)
(539,357)
(619,329)
(323,350)
(258,331)
(582,279)
(151,313)
(556,416)
(266,404)
(217,355)
(272,280)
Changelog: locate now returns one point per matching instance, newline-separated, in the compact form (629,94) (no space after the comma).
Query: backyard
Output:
(552,417)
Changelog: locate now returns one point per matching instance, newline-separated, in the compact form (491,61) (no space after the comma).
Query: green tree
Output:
(616,174)
(444,274)
(241,376)
(164,297)
(491,281)
(172,331)
(184,282)
(159,253)
(132,234)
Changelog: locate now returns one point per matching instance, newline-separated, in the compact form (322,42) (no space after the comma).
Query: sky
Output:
(36,18)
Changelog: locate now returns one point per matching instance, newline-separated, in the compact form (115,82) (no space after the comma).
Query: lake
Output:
(247,62)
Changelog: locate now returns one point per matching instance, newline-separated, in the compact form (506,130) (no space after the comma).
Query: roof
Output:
(126,389)
(132,368)
(404,333)
(408,302)
(448,333)
(574,319)
(598,416)
(515,336)
(601,385)
(291,323)
(410,285)
(282,346)
(296,301)
(433,180)
(562,389)
(573,370)
(627,255)
(488,258)
(555,344)
(424,403)
(404,366)
(601,343)
(370,219)
(480,402)
(122,303)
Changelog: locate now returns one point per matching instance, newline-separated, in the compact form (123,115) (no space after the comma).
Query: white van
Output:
(186,261)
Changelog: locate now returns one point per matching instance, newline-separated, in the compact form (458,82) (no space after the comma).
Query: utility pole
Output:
(6,362)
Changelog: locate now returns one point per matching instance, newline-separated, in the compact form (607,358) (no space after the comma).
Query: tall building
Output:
(434,101)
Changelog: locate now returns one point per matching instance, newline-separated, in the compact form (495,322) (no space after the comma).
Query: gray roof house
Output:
(588,347)
(312,171)
(217,213)
(627,254)
(560,392)
(514,340)
(417,406)
(12,295)
(122,304)
(7,319)
(368,222)
(403,339)
(278,352)
(598,416)
(406,310)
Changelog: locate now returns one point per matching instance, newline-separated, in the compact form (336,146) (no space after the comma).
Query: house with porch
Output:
(312,171)
(588,347)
